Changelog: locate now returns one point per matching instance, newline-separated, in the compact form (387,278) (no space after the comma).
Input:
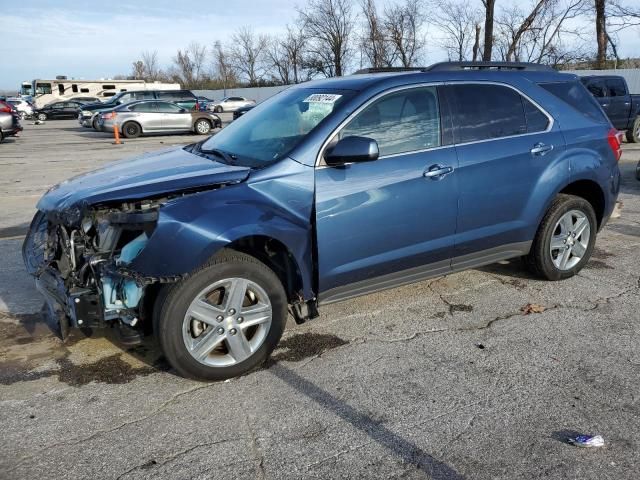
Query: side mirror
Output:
(351,150)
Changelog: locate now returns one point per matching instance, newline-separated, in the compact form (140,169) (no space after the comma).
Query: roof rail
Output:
(389,70)
(449,66)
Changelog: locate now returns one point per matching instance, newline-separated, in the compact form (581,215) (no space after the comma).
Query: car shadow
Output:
(407,451)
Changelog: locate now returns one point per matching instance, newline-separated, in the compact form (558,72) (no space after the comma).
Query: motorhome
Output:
(44,91)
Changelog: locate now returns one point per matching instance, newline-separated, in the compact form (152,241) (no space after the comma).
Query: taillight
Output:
(614,137)
(5,107)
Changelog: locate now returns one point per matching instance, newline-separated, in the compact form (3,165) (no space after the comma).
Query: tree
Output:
(458,22)
(248,54)
(328,25)
(601,32)
(403,23)
(540,34)
(138,71)
(189,65)
(285,55)
(489,8)
(222,66)
(374,40)
(150,64)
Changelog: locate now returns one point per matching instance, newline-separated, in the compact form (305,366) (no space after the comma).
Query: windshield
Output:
(275,127)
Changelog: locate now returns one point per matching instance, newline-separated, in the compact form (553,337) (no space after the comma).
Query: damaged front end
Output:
(80,257)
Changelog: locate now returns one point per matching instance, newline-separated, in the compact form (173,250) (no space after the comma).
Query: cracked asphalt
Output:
(483,374)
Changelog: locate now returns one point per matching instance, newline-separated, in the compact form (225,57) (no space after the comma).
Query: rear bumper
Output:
(12,131)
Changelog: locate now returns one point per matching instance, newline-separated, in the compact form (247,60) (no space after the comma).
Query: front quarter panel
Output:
(275,202)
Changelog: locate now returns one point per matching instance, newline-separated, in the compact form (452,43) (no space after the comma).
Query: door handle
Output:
(437,172)
(540,149)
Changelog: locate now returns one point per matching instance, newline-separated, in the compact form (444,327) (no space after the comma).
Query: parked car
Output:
(241,111)
(203,102)
(153,116)
(58,110)
(88,118)
(329,190)
(230,104)
(23,107)
(622,108)
(9,121)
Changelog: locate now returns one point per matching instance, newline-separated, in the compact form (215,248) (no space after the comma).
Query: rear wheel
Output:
(633,135)
(224,320)
(202,126)
(131,130)
(565,238)
(42,117)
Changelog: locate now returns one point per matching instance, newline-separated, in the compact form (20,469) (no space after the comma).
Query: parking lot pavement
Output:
(444,379)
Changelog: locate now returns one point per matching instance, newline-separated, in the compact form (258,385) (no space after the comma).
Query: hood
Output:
(149,175)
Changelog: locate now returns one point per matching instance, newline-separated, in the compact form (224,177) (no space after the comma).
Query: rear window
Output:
(578,97)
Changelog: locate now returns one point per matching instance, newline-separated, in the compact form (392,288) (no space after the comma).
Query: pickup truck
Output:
(622,108)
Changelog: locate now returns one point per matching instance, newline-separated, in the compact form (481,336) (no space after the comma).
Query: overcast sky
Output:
(90,39)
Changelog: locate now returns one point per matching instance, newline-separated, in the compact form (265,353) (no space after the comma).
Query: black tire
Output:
(174,302)
(94,124)
(539,260)
(131,130)
(202,126)
(1,136)
(42,117)
(218,109)
(633,135)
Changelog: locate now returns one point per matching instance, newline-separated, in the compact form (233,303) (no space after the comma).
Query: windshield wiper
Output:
(228,157)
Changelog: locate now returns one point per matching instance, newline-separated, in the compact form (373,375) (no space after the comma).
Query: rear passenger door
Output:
(619,103)
(147,115)
(174,117)
(505,145)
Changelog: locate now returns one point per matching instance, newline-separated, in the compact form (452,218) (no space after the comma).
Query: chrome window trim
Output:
(319,157)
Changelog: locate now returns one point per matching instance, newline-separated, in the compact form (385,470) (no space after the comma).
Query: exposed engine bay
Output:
(80,258)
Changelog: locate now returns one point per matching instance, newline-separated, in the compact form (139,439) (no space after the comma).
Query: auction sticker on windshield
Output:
(322,98)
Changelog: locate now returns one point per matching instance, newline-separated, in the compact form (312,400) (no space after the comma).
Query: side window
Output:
(536,120)
(143,95)
(616,87)
(575,95)
(165,107)
(61,88)
(400,122)
(149,107)
(43,88)
(483,112)
(74,88)
(84,90)
(596,87)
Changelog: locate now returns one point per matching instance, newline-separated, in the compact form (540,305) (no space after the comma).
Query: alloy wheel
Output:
(570,240)
(227,322)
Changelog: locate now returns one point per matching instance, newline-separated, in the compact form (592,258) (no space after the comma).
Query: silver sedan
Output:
(155,116)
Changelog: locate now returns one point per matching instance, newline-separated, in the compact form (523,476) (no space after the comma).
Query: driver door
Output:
(389,221)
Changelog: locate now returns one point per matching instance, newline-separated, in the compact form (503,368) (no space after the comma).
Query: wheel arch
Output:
(275,255)
(591,192)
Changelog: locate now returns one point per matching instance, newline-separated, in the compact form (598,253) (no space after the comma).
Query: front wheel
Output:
(202,127)
(218,109)
(565,238)
(224,320)
(42,117)
(633,135)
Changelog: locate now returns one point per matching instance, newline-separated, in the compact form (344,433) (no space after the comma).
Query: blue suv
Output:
(329,190)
